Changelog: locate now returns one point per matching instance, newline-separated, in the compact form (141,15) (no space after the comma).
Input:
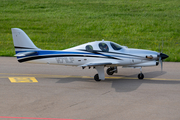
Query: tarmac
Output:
(42,91)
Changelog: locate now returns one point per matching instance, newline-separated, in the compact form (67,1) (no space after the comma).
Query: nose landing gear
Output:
(141,75)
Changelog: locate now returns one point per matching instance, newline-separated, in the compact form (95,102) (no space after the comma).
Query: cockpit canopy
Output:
(103,46)
(98,46)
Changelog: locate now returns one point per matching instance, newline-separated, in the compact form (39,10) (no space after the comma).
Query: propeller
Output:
(162,56)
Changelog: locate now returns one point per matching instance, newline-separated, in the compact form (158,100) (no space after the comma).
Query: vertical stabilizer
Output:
(21,41)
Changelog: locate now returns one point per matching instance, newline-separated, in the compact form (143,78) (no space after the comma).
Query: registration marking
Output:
(23,79)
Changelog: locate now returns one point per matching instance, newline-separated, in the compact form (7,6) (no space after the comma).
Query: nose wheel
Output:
(141,75)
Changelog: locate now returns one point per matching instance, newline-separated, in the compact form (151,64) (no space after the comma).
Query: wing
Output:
(98,64)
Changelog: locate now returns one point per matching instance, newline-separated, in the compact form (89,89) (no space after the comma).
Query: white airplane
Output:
(98,54)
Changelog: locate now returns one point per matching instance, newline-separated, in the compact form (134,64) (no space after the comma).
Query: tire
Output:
(96,78)
(140,76)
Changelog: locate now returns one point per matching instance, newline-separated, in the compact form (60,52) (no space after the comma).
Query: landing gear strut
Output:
(100,76)
(140,75)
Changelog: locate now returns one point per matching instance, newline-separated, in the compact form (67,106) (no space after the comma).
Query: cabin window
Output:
(89,48)
(103,47)
(115,46)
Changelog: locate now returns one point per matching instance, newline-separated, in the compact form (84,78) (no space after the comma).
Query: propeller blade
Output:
(162,56)
(162,46)
(161,65)
(160,61)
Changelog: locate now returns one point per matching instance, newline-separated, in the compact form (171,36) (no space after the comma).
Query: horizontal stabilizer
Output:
(21,54)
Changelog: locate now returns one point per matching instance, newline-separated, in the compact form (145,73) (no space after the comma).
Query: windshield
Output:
(115,46)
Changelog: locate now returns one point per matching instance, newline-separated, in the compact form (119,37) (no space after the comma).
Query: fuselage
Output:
(81,54)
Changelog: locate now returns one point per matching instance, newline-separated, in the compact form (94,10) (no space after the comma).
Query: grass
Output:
(60,24)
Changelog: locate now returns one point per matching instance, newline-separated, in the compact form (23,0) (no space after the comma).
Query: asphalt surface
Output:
(71,93)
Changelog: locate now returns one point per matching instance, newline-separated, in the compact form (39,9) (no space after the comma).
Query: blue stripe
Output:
(49,52)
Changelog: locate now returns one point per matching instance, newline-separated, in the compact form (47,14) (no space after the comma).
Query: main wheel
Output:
(140,76)
(110,71)
(96,78)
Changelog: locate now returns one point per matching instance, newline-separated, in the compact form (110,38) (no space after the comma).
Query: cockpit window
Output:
(103,47)
(89,48)
(115,46)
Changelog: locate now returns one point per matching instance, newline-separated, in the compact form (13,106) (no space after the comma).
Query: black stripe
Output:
(127,55)
(50,56)
(97,52)
(23,47)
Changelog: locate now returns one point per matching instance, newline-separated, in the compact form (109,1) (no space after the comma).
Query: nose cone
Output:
(163,56)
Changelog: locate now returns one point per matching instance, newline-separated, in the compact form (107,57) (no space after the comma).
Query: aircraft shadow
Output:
(146,74)
(120,85)
(129,85)
(70,79)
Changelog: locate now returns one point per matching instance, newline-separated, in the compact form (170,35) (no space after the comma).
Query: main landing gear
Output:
(96,78)
(100,76)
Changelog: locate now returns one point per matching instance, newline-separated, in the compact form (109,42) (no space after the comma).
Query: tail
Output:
(22,43)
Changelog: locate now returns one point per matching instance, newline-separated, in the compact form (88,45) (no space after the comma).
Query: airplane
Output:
(97,55)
